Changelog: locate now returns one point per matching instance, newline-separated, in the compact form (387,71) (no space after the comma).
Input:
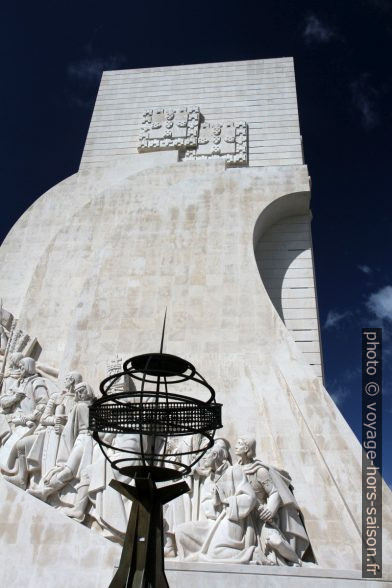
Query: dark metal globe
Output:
(137,429)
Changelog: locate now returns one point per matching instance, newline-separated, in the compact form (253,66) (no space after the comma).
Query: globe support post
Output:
(142,564)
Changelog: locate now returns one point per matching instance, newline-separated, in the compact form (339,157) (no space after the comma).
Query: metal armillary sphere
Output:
(137,430)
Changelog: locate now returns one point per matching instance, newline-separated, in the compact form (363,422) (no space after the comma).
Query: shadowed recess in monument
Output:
(283,252)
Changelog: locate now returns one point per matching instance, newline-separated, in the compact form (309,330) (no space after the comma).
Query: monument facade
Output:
(192,194)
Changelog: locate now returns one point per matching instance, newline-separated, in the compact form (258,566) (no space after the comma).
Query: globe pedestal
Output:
(142,563)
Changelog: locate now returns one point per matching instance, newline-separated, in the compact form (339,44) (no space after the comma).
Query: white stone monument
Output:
(192,194)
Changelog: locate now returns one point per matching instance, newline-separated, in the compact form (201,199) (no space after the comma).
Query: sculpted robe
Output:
(6,413)
(75,453)
(265,480)
(227,534)
(187,506)
(108,507)
(43,454)
(30,408)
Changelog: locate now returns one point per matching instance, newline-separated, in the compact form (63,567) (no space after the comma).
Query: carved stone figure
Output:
(11,374)
(227,500)
(75,449)
(108,510)
(3,339)
(186,507)
(94,497)
(37,453)
(53,420)
(10,378)
(6,321)
(24,402)
(281,534)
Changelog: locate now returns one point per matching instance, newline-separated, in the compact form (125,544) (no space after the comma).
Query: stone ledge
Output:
(200,575)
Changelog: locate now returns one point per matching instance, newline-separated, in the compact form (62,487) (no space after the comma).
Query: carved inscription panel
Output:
(228,140)
(185,129)
(169,128)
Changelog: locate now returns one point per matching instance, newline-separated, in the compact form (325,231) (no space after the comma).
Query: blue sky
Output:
(52,58)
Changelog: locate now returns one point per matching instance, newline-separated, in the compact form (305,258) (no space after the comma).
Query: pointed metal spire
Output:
(163,331)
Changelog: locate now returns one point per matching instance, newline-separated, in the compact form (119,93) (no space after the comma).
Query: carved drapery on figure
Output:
(227,500)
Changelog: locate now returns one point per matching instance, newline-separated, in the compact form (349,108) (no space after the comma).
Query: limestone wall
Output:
(261,92)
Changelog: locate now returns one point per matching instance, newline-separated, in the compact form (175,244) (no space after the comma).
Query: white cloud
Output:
(365,269)
(364,98)
(342,387)
(380,303)
(339,394)
(89,69)
(315,31)
(334,318)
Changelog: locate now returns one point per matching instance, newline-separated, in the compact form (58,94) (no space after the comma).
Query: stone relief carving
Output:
(281,536)
(124,383)
(227,501)
(239,513)
(6,320)
(37,452)
(75,451)
(169,128)
(228,140)
(14,340)
(183,129)
(22,404)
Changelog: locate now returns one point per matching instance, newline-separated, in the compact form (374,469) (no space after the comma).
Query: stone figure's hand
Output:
(265,514)
(59,423)
(47,478)
(30,424)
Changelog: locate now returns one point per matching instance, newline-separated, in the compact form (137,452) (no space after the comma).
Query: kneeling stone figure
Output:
(282,538)
(227,500)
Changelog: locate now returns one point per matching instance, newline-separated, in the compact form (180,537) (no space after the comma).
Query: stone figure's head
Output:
(15,359)
(27,367)
(72,379)
(216,456)
(245,447)
(84,393)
